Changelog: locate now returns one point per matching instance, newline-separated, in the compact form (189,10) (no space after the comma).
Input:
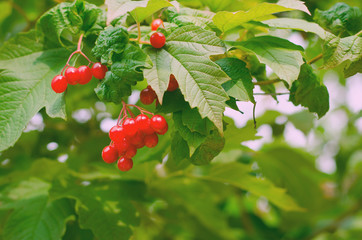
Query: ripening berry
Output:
(121,146)
(99,70)
(156,24)
(131,152)
(159,124)
(59,84)
(129,127)
(85,74)
(72,75)
(173,84)
(147,96)
(137,140)
(151,140)
(144,124)
(109,154)
(125,164)
(116,133)
(157,40)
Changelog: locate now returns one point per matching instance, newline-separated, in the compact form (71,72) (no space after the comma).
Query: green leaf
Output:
(297,24)
(345,52)
(186,55)
(310,92)
(237,175)
(112,40)
(141,13)
(26,70)
(341,19)
(192,120)
(140,10)
(209,149)
(186,16)
(240,86)
(282,56)
(179,157)
(93,213)
(35,217)
(125,72)
(193,139)
(227,20)
(65,22)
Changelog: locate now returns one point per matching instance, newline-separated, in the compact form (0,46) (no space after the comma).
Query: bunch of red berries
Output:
(132,133)
(81,75)
(148,95)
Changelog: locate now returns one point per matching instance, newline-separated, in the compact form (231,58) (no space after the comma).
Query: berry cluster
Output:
(132,133)
(148,95)
(82,75)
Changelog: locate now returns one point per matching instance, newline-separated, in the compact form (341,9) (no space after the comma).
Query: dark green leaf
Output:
(240,86)
(310,92)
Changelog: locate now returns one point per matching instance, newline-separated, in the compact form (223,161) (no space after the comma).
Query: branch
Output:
(333,226)
(316,58)
(267,82)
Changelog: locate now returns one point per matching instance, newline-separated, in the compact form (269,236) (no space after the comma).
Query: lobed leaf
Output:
(186,56)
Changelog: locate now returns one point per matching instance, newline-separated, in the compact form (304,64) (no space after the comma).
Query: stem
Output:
(20,11)
(267,82)
(139,31)
(254,118)
(316,58)
(80,42)
(333,226)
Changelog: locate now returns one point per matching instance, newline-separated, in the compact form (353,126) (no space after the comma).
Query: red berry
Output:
(129,127)
(131,152)
(85,74)
(137,140)
(116,133)
(157,40)
(156,24)
(125,164)
(151,140)
(159,124)
(109,154)
(59,84)
(144,124)
(72,75)
(173,84)
(147,96)
(122,146)
(99,70)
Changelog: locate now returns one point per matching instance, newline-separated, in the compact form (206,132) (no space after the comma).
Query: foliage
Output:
(202,181)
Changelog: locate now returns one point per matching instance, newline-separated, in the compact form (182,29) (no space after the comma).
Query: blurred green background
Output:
(57,164)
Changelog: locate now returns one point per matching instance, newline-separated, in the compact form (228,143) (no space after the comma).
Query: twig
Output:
(267,82)
(254,118)
(20,11)
(316,58)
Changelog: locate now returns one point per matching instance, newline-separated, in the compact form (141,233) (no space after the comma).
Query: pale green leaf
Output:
(297,24)
(237,175)
(282,56)
(186,56)
(141,13)
(26,71)
(228,20)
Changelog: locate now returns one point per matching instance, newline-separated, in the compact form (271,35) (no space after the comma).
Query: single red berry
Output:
(131,152)
(72,75)
(109,154)
(125,164)
(156,24)
(151,140)
(122,146)
(147,96)
(99,70)
(173,84)
(85,74)
(159,124)
(157,40)
(137,140)
(144,124)
(59,84)
(116,133)
(130,127)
